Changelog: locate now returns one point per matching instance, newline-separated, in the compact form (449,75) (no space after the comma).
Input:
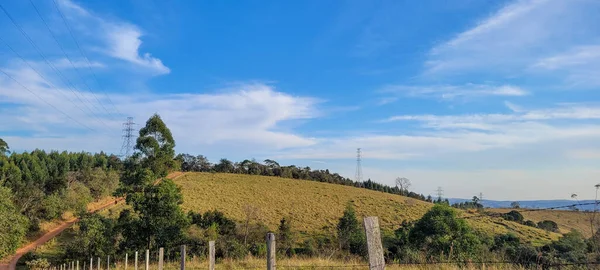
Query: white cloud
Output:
(450,92)
(122,39)
(517,36)
(124,43)
(66,64)
(245,117)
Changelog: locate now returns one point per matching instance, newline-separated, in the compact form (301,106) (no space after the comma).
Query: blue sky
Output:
(498,97)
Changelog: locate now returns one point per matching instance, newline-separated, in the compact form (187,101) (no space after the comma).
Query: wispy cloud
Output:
(522,34)
(449,92)
(122,40)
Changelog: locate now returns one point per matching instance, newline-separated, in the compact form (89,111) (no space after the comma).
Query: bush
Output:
(548,225)
(513,216)
(440,232)
(53,206)
(530,223)
(37,264)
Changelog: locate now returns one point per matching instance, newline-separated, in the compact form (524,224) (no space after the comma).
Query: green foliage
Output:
(13,225)
(95,237)
(53,206)
(439,231)
(3,147)
(548,225)
(513,216)
(38,264)
(156,143)
(161,220)
(570,248)
(216,218)
(350,234)
(530,223)
(285,237)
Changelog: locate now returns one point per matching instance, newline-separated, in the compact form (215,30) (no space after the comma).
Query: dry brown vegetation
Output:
(313,206)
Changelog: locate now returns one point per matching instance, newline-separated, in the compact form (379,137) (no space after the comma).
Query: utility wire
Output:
(40,74)
(69,59)
(84,56)
(47,61)
(49,104)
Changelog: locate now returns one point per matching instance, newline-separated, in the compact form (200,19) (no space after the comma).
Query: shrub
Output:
(548,225)
(440,232)
(513,216)
(13,225)
(530,223)
(36,264)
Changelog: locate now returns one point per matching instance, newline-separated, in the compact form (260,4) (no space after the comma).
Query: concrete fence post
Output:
(91,263)
(182,264)
(147,259)
(77,268)
(108,262)
(98,263)
(374,246)
(211,255)
(125,261)
(161,254)
(271,264)
(136,261)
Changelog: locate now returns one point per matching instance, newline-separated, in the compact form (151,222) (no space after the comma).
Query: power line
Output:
(72,88)
(69,59)
(84,56)
(40,74)
(358,176)
(49,104)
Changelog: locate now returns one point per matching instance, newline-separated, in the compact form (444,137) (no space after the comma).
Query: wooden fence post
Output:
(211,255)
(376,261)
(125,261)
(147,259)
(182,265)
(136,260)
(271,251)
(84,265)
(161,254)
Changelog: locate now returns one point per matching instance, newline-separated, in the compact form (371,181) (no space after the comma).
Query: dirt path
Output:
(12,265)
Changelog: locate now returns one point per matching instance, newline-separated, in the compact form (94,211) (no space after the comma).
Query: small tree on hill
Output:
(285,237)
(515,205)
(350,234)
(513,216)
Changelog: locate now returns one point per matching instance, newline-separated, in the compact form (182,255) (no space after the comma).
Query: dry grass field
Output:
(313,206)
(567,220)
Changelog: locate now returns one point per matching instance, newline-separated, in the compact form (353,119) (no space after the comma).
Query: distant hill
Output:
(315,207)
(532,204)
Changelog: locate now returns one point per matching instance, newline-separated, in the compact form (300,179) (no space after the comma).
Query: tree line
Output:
(269,167)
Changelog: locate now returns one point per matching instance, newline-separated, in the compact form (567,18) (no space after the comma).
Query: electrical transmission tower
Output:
(440,192)
(358,176)
(128,137)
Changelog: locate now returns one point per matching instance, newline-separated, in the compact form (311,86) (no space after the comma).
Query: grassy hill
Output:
(566,220)
(313,206)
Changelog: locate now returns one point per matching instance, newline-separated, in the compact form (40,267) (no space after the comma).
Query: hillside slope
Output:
(313,206)
(567,220)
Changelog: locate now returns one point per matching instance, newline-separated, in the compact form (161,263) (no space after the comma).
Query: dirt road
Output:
(12,265)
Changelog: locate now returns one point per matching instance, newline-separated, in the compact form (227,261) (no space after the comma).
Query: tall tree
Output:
(3,147)
(156,143)
(13,225)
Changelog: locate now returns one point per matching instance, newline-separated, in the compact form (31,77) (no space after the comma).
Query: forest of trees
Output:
(191,163)
(38,186)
